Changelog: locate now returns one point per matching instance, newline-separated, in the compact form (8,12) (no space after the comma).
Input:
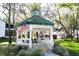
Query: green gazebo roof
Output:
(36,20)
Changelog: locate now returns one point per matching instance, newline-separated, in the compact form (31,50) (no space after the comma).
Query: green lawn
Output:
(4,47)
(5,51)
(5,40)
(62,46)
(16,50)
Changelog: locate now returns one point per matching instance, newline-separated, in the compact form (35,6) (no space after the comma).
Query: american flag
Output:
(22,28)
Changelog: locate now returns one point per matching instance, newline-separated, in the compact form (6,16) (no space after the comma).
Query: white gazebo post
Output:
(51,38)
(30,41)
(16,36)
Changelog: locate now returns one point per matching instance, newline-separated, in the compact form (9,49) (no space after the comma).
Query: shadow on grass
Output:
(5,49)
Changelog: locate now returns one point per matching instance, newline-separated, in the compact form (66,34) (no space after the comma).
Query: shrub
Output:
(30,52)
(19,47)
(68,39)
(13,48)
(37,52)
(25,52)
(21,53)
(69,36)
(61,51)
(57,42)
(24,47)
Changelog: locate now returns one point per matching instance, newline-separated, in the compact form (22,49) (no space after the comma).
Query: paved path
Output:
(49,53)
(46,53)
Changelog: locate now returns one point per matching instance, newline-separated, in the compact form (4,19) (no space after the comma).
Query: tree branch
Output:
(61,23)
(3,20)
(4,7)
(25,14)
(20,16)
(4,13)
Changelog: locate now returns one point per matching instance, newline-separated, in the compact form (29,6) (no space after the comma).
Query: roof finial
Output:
(35,13)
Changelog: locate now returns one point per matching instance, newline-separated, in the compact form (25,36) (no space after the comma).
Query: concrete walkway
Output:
(49,53)
(46,53)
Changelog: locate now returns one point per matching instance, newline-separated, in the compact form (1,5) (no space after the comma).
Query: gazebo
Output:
(35,31)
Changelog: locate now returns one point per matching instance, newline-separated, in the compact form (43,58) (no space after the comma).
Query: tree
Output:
(69,18)
(72,19)
(34,7)
(7,11)
(26,10)
(55,16)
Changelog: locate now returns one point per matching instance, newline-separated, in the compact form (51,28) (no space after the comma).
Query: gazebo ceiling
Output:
(36,20)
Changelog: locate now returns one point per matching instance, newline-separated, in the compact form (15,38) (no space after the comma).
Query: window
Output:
(27,41)
(23,41)
(28,35)
(23,36)
(19,36)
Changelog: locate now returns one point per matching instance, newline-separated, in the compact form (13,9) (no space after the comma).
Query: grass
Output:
(71,46)
(14,50)
(5,40)
(5,51)
(4,47)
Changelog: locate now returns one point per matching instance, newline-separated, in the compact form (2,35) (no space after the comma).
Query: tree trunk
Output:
(14,25)
(61,23)
(9,24)
(77,35)
(62,26)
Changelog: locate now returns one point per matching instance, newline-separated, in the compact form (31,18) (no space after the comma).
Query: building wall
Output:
(11,30)
(2,29)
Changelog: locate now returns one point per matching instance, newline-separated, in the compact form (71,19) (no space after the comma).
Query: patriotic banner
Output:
(22,28)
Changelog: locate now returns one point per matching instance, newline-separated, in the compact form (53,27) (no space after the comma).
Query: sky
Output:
(43,8)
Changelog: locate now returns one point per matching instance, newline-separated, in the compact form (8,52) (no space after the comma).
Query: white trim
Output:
(51,37)
(8,29)
(30,42)
(41,26)
(8,36)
